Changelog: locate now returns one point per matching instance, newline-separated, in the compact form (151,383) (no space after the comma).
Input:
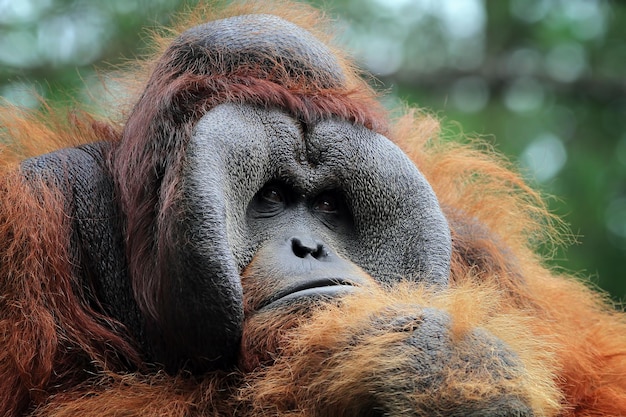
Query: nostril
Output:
(302,248)
(319,251)
(298,248)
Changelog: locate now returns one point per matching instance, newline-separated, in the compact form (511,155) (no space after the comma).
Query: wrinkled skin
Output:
(294,193)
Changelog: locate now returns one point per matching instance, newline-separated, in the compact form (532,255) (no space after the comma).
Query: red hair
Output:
(61,357)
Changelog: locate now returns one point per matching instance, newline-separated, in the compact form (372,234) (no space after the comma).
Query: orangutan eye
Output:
(272,194)
(269,201)
(326,203)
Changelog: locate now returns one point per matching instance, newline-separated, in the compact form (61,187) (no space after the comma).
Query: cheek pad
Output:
(401,230)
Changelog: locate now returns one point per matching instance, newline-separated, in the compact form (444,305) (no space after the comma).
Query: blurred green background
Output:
(542,80)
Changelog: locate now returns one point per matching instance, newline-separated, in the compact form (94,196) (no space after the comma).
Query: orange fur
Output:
(588,336)
(329,361)
(570,341)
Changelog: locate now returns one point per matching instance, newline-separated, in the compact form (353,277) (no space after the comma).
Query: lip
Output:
(320,288)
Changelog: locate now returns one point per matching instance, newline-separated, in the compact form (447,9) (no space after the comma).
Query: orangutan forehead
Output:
(268,44)
(266,61)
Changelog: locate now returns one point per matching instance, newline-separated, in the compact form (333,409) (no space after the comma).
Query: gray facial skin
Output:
(390,224)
